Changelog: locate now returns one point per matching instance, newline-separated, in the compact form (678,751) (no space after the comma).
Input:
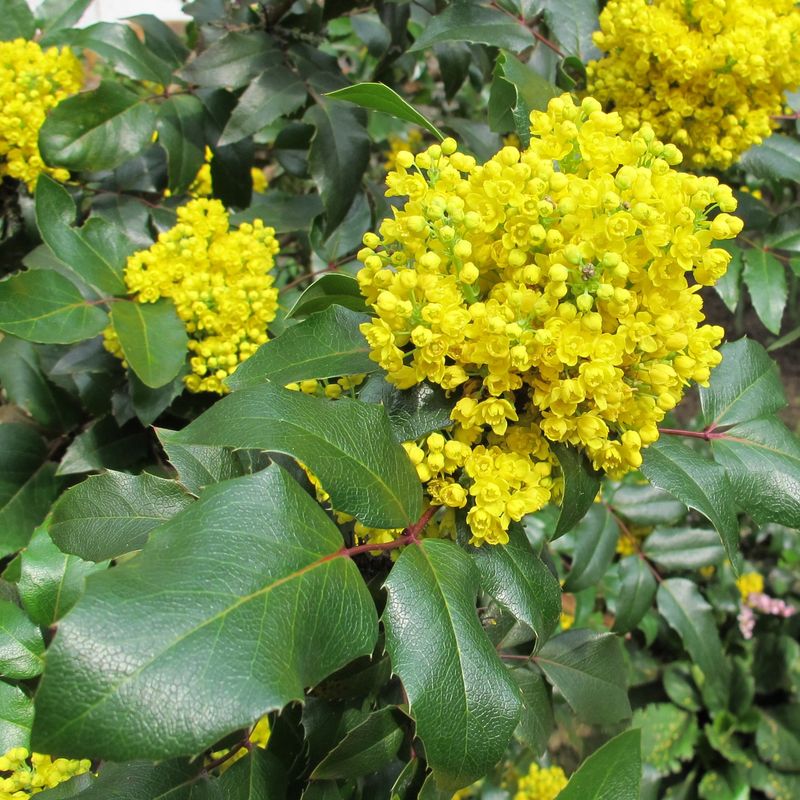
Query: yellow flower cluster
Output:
(333,390)
(750,583)
(28,774)
(32,81)
(219,281)
(554,293)
(201,185)
(399,144)
(541,783)
(706,74)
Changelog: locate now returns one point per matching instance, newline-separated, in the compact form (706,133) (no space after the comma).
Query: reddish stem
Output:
(410,536)
(708,434)
(545,41)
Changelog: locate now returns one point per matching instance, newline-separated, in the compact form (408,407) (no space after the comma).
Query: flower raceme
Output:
(26,774)
(32,81)
(218,278)
(553,293)
(708,75)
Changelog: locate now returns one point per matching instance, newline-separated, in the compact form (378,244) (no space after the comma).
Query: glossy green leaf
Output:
(275,93)
(258,776)
(91,260)
(765,278)
(125,52)
(148,404)
(646,505)
(180,133)
(762,459)
(98,129)
(42,306)
(56,15)
(50,581)
(28,485)
(26,386)
(470,22)
(113,513)
(682,548)
(17,22)
(21,643)
(335,288)
(698,483)
(463,700)
(536,721)
(379,97)
(519,580)
(746,385)
(636,593)
(365,749)
(16,717)
(105,445)
(589,670)
(338,157)
(572,23)
(581,484)
(595,544)
(778,736)
(729,286)
(285,213)
(614,772)
(250,569)
(153,339)
(348,445)
(232,60)
(776,158)
(160,39)
(326,345)
(687,612)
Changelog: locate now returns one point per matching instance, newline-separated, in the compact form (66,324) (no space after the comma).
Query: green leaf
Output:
(775,785)
(379,97)
(581,484)
(646,505)
(777,158)
(337,158)
(55,214)
(21,643)
(690,616)
(104,445)
(286,214)
(98,129)
(729,286)
(681,548)
(778,736)
(595,544)
(536,722)
(572,23)
(762,459)
(16,717)
(465,704)
(669,736)
(26,386)
(613,772)
(251,569)
(232,60)
(180,133)
(636,593)
(275,93)
(519,580)
(699,483)
(28,485)
(56,15)
(365,749)
(161,40)
(744,386)
(17,22)
(50,581)
(326,345)
(348,445)
(335,288)
(113,513)
(681,688)
(589,670)
(412,412)
(119,45)
(258,776)
(42,306)
(765,278)
(153,339)
(148,404)
(470,22)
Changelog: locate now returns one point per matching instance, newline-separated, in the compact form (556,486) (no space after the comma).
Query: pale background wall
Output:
(111,10)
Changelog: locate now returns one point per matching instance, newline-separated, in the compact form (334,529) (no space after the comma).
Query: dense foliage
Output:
(342,451)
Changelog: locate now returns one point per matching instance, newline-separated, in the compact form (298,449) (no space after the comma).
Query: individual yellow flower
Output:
(32,82)
(750,583)
(553,293)
(707,75)
(27,774)
(218,278)
(398,144)
(541,783)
